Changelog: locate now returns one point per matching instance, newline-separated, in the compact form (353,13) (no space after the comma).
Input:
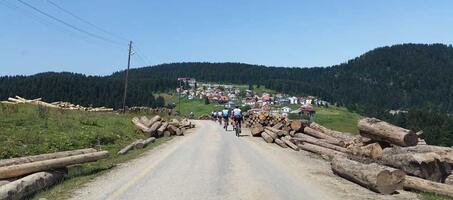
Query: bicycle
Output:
(237,127)
(226,124)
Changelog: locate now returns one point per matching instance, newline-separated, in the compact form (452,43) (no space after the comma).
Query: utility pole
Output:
(127,74)
(179,97)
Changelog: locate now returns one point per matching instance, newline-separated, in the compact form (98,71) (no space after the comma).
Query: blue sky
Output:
(276,33)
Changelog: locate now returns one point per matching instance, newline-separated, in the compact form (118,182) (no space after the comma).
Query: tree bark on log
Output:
(48,156)
(28,185)
(373,150)
(276,131)
(139,125)
(321,150)
(289,143)
(153,120)
(256,130)
(280,143)
(162,128)
(139,144)
(270,133)
(27,168)
(267,137)
(149,140)
(377,178)
(335,134)
(429,166)
(179,132)
(154,127)
(418,184)
(445,153)
(319,142)
(320,135)
(378,130)
(130,146)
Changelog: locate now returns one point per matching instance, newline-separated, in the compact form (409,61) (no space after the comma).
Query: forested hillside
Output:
(399,77)
(414,77)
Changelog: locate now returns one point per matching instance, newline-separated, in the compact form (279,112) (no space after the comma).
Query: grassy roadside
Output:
(30,130)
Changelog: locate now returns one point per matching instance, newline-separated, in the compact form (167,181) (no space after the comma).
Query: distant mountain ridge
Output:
(397,77)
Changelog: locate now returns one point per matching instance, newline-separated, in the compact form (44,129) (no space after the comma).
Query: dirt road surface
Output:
(210,163)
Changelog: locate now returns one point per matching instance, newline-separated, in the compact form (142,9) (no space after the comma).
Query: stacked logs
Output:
(58,104)
(158,127)
(24,176)
(156,111)
(383,158)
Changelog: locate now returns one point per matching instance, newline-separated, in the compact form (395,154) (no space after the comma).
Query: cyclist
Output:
(219,117)
(225,115)
(213,116)
(237,116)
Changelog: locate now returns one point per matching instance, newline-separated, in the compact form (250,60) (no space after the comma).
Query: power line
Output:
(70,25)
(141,56)
(86,21)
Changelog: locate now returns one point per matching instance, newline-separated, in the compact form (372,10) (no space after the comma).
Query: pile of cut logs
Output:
(24,176)
(157,111)
(58,104)
(156,127)
(383,158)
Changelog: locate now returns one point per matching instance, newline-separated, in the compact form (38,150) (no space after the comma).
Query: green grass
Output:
(197,106)
(432,196)
(337,118)
(30,130)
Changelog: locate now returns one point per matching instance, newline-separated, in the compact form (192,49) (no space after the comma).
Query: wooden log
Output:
(373,150)
(429,166)
(139,125)
(27,168)
(4,182)
(162,128)
(289,143)
(139,144)
(48,156)
(422,185)
(153,128)
(28,185)
(153,120)
(280,143)
(172,129)
(332,133)
(267,137)
(377,178)
(449,180)
(179,132)
(167,133)
(297,125)
(256,130)
(278,132)
(270,133)
(321,150)
(320,142)
(131,146)
(149,140)
(445,153)
(144,120)
(378,130)
(320,135)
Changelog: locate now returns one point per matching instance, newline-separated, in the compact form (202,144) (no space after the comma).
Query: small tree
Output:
(206,100)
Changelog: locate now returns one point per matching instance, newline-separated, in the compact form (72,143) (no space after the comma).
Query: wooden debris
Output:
(372,176)
(28,185)
(27,168)
(378,130)
(48,156)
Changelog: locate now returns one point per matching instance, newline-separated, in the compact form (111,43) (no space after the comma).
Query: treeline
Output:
(85,90)
(414,77)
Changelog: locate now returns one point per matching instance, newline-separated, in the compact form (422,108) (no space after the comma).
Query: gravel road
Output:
(210,163)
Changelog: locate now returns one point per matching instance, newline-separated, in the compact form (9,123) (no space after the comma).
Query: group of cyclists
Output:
(229,115)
